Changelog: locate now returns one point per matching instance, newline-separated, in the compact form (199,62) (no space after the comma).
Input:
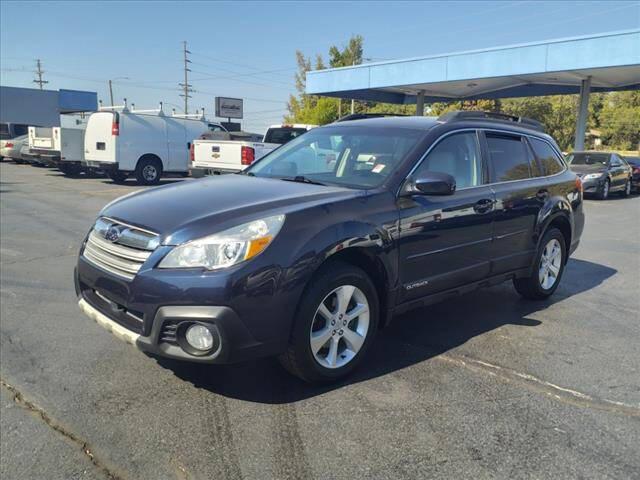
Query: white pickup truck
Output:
(230,152)
(226,152)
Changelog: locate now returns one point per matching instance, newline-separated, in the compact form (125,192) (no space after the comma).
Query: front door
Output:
(444,241)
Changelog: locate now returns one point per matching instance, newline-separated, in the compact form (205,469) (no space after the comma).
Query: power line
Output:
(39,72)
(186,87)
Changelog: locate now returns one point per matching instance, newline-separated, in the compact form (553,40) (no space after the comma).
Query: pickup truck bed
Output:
(213,156)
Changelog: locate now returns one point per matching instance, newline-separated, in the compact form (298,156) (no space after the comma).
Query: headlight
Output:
(592,176)
(226,248)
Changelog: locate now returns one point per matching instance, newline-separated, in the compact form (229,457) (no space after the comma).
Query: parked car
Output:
(10,149)
(601,172)
(146,144)
(307,260)
(634,163)
(226,152)
(9,131)
(282,134)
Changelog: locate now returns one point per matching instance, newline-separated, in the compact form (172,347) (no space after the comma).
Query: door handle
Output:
(483,206)
(542,195)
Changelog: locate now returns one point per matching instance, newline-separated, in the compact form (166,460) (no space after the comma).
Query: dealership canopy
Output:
(596,63)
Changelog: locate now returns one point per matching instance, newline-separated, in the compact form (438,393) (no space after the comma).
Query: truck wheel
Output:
(547,271)
(334,326)
(148,170)
(118,176)
(70,170)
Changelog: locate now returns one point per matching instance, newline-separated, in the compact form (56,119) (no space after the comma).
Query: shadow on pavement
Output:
(412,338)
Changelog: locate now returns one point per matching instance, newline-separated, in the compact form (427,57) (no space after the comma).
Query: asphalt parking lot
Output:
(483,386)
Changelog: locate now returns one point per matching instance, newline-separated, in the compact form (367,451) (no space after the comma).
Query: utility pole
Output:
(39,73)
(111,92)
(186,87)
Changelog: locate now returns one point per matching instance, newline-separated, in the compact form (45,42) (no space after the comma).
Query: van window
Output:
(547,156)
(459,156)
(509,157)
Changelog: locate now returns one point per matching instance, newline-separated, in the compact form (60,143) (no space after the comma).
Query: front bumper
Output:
(592,185)
(152,313)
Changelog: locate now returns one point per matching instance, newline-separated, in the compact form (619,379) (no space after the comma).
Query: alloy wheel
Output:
(340,326)
(550,264)
(605,190)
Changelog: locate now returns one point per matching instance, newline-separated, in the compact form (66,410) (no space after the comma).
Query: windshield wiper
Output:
(302,179)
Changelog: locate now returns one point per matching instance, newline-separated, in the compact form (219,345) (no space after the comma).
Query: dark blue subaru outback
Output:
(316,246)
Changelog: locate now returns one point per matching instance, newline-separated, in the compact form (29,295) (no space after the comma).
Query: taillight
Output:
(192,153)
(8,145)
(115,125)
(579,184)
(248,155)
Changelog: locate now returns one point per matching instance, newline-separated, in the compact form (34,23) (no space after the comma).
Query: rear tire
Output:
(148,170)
(548,268)
(603,193)
(335,324)
(118,176)
(70,170)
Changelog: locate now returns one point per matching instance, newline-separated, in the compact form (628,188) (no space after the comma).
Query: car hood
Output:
(584,169)
(192,209)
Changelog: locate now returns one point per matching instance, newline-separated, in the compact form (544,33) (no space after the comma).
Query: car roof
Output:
(398,122)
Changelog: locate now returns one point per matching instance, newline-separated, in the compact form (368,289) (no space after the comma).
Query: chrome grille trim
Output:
(121,260)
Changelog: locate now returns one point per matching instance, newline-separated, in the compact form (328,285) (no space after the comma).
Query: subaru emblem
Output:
(113,233)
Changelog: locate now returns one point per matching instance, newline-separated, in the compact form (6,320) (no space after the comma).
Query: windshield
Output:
(357,157)
(588,158)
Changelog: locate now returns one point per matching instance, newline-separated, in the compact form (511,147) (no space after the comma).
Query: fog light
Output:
(199,337)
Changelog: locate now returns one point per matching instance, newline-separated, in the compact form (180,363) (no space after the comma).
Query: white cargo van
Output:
(147,143)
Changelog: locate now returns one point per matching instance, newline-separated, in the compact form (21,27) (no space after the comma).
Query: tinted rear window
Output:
(283,135)
(4,131)
(509,158)
(547,156)
(588,158)
(20,130)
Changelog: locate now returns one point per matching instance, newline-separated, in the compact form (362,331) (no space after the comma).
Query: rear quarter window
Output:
(547,156)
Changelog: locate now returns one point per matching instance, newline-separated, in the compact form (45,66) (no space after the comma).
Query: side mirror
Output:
(430,183)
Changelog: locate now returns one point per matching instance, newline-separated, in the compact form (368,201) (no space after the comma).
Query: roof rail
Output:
(460,115)
(360,116)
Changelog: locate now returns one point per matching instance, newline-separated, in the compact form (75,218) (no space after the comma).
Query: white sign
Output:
(228,107)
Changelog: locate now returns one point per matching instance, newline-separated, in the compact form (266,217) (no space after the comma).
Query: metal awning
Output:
(611,61)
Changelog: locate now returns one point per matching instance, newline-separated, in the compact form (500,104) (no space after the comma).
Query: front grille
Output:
(119,256)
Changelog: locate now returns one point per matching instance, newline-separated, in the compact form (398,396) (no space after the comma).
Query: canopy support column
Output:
(420,104)
(583,113)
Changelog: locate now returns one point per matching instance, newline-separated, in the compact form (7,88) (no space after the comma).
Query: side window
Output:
(20,130)
(459,156)
(547,156)
(509,157)
(215,128)
(615,161)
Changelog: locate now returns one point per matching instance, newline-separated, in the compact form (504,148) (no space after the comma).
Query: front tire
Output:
(335,324)
(148,170)
(627,189)
(548,268)
(603,193)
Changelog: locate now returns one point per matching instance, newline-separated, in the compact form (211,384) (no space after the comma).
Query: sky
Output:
(247,49)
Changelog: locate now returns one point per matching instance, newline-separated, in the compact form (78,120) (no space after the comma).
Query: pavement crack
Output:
(31,407)
(538,385)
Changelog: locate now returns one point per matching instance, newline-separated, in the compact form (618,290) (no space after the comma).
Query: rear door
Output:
(521,191)
(445,240)
(177,145)
(100,142)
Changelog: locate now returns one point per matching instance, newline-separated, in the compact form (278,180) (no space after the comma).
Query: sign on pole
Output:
(228,107)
